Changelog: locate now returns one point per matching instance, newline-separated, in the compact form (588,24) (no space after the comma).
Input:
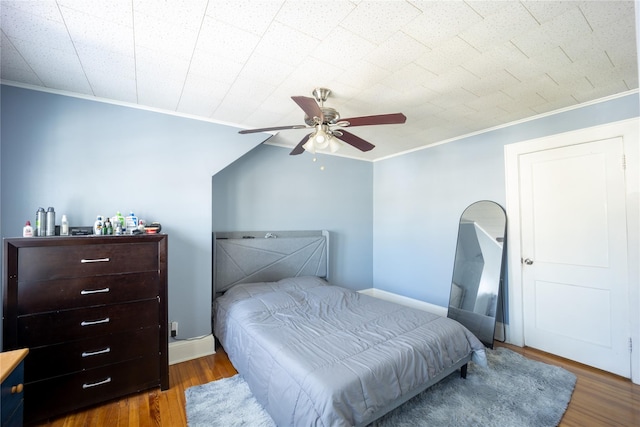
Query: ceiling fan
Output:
(325,120)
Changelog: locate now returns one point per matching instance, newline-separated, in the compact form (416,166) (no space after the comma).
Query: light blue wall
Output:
(87,158)
(269,190)
(419,197)
(393,222)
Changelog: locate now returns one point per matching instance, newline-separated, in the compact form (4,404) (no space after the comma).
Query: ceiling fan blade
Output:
(356,141)
(272,128)
(298,149)
(309,106)
(381,119)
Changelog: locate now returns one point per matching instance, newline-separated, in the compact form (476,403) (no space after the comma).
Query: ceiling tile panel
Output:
(37,30)
(253,16)
(95,59)
(376,21)
(223,40)
(441,21)
(267,70)
(200,98)
(115,12)
(455,78)
(283,43)
(567,26)
(155,34)
(103,35)
(447,56)
(167,98)
(396,52)
(104,86)
(223,71)
(46,9)
(600,14)
(502,22)
(17,74)
(544,11)
(56,69)
(342,48)
(534,42)
(600,92)
(490,84)
(408,78)
(363,74)
(187,14)
(314,18)
(316,71)
(555,104)
(494,60)
(452,96)
(622,54)
(14,67)
(159,65)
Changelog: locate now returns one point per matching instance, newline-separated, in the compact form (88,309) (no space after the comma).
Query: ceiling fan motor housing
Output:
(331,116)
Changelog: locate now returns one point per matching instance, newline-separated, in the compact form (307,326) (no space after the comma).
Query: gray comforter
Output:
(314,354)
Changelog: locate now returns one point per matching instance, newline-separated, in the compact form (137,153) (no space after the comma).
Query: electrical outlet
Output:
(174,329)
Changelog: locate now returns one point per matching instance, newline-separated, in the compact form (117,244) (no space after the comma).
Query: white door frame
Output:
(629,131)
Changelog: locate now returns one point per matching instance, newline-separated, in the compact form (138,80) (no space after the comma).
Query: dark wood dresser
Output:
(93,312)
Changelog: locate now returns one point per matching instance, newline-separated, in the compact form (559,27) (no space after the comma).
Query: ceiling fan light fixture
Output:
(309,145)
(334,145)
(321,139)
(318,140)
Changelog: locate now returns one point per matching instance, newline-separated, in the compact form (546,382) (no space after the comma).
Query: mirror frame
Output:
(482,324)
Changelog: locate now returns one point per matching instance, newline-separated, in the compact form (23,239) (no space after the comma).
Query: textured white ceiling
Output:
(452,67)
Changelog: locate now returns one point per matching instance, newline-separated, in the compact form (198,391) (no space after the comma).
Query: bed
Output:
(318,354)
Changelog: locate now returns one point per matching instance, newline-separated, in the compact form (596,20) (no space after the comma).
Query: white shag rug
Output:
(511,391)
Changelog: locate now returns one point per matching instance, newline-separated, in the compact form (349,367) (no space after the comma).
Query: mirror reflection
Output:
(477,269)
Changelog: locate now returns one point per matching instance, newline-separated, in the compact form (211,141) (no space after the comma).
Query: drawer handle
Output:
(94,322)
(17,388)
(84,261)
(94,291)
(95,353)
(105,381)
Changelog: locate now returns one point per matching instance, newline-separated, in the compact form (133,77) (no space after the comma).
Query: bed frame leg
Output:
(463,371)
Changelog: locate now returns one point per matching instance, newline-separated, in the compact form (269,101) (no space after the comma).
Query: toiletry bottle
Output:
(120,218)
(51,222)
(27,230)
(40,222)
(108,228)
(132,223)
(117,228)
(64,226)
(97,226)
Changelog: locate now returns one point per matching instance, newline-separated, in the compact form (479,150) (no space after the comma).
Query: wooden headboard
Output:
(267,256)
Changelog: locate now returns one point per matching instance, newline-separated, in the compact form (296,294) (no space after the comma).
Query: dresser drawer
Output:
(55,396)
(61,294)
(61,359)
(60,326)
(56,262)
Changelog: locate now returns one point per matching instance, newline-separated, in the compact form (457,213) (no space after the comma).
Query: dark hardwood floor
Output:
(599,399)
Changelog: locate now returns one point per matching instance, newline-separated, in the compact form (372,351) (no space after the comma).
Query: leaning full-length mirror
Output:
(477,269)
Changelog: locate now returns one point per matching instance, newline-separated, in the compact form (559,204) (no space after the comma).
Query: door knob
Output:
(528,261)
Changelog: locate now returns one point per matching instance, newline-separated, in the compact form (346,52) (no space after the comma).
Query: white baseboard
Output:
(181,351)
(410,302)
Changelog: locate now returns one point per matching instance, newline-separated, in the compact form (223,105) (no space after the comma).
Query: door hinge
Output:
(630,345)
(624,162)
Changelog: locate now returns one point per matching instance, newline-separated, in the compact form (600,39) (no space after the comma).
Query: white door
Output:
(574,250)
